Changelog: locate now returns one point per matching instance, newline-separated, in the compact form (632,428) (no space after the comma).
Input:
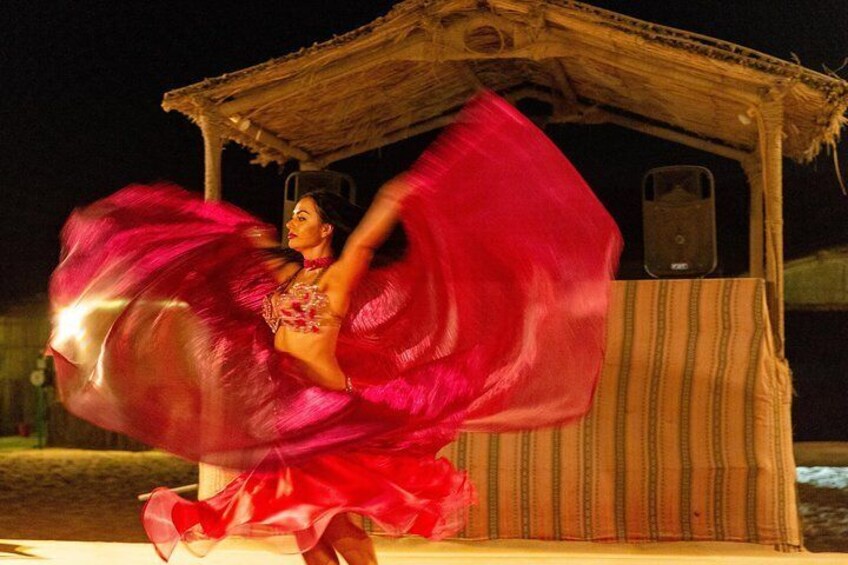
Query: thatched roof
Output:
(411,70)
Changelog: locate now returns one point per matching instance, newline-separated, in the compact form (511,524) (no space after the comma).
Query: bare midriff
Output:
(315,352)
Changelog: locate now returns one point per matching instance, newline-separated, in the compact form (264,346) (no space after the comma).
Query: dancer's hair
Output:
(337,211)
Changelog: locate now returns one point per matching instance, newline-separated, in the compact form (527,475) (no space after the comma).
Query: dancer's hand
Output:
(261,238)
(396,189)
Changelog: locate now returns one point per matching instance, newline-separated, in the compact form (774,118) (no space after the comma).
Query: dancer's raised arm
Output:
(374,228)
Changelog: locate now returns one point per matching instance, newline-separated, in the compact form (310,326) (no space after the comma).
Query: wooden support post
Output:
(770,126)
(753,170)
(213,145)
(210,476)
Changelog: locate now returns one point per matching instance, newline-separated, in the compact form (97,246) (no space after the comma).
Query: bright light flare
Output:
(69,323)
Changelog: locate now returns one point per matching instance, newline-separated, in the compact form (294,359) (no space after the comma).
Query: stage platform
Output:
(422,552)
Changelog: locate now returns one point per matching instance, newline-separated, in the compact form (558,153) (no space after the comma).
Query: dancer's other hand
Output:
(261,237)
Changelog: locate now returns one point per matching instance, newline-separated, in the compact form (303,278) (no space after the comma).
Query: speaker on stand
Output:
(300,183)
(678,216)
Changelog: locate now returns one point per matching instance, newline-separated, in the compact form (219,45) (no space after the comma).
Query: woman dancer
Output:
(494,320)
(307,310)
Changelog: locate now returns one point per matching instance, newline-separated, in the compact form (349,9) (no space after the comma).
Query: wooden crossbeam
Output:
(600,116)
(387,139)
(268,139)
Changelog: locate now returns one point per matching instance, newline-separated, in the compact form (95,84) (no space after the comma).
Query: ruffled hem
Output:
(291,509)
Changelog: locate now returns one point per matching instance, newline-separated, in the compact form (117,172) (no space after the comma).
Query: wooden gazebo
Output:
(410,72)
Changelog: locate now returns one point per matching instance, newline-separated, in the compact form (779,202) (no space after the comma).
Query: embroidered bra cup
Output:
(299,306)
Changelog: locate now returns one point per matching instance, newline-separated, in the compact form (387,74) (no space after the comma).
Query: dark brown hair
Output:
(337,211)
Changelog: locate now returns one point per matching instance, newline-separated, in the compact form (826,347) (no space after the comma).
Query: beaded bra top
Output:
(299,306)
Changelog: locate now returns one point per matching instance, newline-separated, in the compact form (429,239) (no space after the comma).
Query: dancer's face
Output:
(305,227)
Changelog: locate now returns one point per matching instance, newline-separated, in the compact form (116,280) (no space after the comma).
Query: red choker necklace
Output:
(319,263)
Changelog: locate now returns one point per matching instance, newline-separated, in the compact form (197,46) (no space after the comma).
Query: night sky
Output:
(82,85)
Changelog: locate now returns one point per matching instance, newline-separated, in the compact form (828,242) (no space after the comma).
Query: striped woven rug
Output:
(689,437)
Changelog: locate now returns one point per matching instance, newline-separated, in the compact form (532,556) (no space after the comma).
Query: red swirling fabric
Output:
(494,320)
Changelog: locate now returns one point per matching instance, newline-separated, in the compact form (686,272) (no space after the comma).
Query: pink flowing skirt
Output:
(401,494)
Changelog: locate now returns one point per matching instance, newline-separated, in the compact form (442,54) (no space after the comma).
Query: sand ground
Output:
(71,494)
(79,495)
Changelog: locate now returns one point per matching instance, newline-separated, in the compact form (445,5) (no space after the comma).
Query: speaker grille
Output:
(678,213)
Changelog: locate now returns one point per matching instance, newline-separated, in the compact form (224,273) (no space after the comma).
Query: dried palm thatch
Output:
(410,71)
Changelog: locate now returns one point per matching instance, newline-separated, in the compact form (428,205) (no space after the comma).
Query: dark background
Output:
(80,117)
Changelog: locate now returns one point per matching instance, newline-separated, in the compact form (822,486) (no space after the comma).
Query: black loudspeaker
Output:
(678,216)
(300,183)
